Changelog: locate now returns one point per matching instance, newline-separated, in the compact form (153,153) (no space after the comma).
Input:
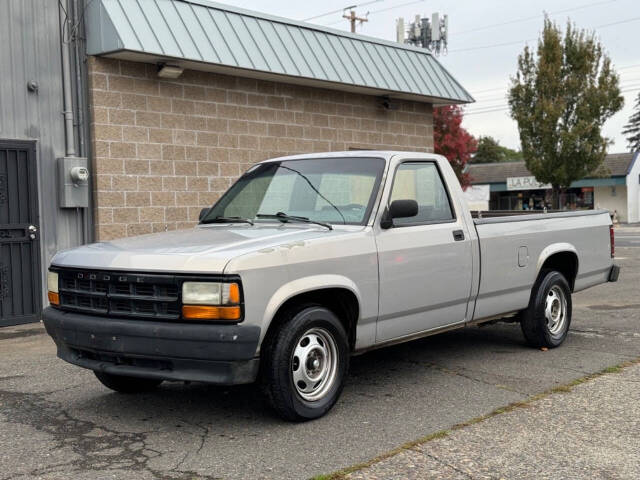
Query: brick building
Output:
(163,150)
(127,117)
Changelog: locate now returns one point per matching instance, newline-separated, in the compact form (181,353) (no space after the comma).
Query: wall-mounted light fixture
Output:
(387,103)
(169,71)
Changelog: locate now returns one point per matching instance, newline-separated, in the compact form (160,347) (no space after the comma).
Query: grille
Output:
(120,294)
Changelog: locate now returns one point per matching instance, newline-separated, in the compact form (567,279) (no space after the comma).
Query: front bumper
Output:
(221,354)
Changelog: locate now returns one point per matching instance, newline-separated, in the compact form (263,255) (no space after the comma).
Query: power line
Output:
(487,111)
(505,108)
(629,87)
(635,65)
(342,10)
(488,90)
(484,47)
(384,10)
(534,17)
(397,6)
(618,23)
(494,45)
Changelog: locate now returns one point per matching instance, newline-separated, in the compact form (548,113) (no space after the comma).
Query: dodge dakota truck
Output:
(307,260)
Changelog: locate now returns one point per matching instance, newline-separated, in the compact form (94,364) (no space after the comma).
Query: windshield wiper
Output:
(220,219)
(284,218)
(306,179)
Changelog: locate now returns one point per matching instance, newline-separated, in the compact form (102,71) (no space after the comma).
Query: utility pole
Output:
(353,19)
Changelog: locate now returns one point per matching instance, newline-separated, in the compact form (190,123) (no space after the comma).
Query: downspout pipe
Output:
(70,142)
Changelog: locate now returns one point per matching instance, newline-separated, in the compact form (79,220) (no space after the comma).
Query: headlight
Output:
(52,282)
(201,293)
(211,301)
(52,287)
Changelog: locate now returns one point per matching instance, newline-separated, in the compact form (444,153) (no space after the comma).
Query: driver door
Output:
(425,261)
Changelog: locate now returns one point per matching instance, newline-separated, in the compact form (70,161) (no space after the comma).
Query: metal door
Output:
(20,281)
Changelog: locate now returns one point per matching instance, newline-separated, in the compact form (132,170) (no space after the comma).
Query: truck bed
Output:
(513,249)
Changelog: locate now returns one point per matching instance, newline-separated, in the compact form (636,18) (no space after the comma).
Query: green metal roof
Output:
(209,36)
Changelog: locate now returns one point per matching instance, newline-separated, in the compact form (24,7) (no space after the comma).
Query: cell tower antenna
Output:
(430,34)
(435,26)
(400,33)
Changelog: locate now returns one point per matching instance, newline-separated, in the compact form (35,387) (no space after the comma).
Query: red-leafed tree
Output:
(453,141)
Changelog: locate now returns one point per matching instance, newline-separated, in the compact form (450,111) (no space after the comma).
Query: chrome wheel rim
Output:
(314,364)
(555,310)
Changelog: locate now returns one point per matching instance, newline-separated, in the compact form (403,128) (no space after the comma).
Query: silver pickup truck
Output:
(307,260)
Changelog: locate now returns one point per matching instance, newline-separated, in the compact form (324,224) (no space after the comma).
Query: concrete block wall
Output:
(162,150)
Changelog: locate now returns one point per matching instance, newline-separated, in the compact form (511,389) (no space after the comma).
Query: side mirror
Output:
(203,213)
(398,209)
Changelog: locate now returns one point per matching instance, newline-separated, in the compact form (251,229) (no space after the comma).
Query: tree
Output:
(489,150)
(560,98)
(453,141)
(632,129)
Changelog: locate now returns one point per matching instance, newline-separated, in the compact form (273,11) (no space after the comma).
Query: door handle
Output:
(32,231)
(458,235)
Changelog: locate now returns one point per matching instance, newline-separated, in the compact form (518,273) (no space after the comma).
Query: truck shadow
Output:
(376,375)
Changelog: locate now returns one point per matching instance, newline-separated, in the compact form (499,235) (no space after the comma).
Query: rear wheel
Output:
(123,384)
(304,363)
(546,321)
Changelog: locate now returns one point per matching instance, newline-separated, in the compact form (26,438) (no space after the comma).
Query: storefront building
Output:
(510,186)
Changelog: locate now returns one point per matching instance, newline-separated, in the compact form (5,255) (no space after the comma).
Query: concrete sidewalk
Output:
(590,430)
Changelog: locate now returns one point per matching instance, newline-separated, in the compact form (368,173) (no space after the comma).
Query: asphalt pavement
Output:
(58,422)
(628,236)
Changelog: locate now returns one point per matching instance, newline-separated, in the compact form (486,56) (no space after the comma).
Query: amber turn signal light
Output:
(207,312)
(54,298)
(234,293)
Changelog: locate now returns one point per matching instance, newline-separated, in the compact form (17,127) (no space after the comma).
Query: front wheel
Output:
(123,384)
(304,363)
(546,321)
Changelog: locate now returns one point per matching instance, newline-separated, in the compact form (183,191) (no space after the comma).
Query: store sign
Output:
(525,183)
(478,193)
(478,197)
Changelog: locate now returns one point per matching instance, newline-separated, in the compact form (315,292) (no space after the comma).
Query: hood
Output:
(206,248)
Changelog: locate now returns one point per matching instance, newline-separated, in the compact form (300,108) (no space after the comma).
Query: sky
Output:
(485,39)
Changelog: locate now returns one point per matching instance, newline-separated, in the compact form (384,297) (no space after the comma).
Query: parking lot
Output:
(57,421)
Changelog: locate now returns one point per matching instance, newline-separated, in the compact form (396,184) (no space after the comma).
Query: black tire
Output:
(278,362)
(123,384)
(538,330)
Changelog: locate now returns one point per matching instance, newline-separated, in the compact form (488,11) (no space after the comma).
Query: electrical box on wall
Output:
(73,178)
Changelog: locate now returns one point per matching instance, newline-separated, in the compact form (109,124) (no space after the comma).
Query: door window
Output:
(421,181)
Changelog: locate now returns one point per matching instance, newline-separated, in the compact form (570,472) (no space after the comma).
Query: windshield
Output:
(332,190)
